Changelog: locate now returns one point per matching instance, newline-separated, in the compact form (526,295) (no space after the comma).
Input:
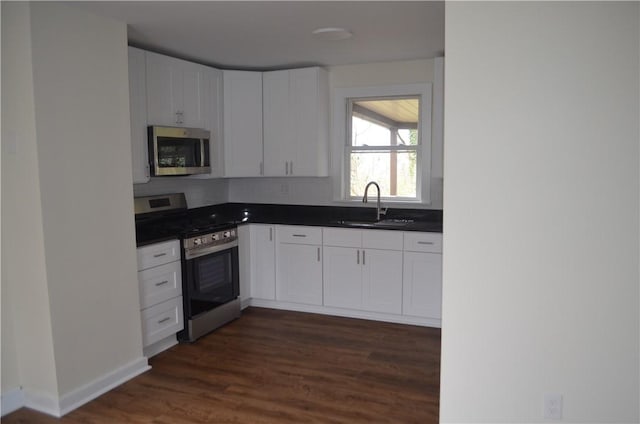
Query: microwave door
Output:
(178,156)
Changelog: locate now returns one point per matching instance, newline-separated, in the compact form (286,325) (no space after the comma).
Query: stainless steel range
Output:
(210,282)
(210,285)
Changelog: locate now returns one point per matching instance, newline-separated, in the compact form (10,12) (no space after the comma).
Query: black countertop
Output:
(326,216)
(425,220)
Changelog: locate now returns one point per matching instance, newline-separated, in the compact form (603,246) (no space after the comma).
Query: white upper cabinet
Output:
(296,122)
(178,92)
(138,113)
(242,123)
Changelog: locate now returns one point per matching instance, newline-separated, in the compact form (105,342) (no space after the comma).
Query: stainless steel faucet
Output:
(365,199)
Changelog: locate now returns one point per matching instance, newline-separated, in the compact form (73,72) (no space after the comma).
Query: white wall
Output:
(82,122)
(27,344)
(541,279)
(319,191)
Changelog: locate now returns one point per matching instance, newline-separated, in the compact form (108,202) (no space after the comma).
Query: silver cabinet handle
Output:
(270,233)
(161,283)
(363,258)
(425,242)
(164,320)
(358,257)
(318,254)
(299,235)
(159,255)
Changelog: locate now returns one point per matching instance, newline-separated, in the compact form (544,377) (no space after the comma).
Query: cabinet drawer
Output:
(159,284)
(382,239)
(158,254)
(162,320)
(298,234)
(423,242)
(341,237)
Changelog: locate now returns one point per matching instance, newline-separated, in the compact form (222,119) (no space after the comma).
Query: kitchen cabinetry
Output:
(242,123)
(299,264)
(138,115)
(257,261)
(422,275)
(160,288)
(177,92)
(363,269)
(296,122)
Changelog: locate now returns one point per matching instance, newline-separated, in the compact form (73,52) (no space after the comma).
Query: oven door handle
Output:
(202,251)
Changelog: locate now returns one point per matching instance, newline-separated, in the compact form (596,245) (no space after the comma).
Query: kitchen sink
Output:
(388,223)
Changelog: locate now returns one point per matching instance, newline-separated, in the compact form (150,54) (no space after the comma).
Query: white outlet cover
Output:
(552,406)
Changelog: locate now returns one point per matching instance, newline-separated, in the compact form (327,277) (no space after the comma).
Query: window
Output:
(384,146)
(386,138)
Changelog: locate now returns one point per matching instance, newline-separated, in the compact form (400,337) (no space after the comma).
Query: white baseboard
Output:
(42,402)
(349,313)
(11,401)
(101,385)
(244,303)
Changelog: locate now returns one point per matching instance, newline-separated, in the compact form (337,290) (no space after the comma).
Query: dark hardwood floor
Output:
(274,366)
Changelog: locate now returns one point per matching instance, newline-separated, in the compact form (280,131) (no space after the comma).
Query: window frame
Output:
(341,149)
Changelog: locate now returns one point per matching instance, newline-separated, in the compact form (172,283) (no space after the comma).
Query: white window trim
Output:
(339,145)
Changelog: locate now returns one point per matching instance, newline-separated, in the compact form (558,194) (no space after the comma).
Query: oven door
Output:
(210,280)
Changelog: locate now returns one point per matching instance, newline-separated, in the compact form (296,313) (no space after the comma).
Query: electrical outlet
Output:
(552,406)
(284,189)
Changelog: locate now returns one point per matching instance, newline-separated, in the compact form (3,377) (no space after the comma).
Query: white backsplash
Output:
(198,192)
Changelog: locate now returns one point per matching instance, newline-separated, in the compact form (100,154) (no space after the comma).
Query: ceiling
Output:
(267,35)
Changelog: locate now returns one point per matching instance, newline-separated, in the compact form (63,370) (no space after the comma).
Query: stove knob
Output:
(197,242)
(215,237)
(227,234)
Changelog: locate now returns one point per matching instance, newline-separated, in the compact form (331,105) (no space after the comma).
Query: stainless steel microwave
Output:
(178,151)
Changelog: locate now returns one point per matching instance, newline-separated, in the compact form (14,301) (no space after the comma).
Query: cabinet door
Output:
(299,273)
(382,281)
(242,123)
(263,262)
(278,137)
(309,107)
(195,92)
(138,113)
(164,89)
(342,276)
(422,285)
(212,120)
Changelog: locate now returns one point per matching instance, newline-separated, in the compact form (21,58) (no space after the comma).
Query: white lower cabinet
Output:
(359,273)
(422,275)
(374,274)
(160,288)
(257,262)
(162,320)
(342,274)
(299,264)
(382,281)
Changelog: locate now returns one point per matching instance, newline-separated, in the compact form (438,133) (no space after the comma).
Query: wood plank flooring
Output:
(274,366)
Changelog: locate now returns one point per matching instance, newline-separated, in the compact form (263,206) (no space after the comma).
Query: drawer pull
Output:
(364,261)
(164,320)
(159,255)
(161,283)
(357,257)
(425,242)
(299,235)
